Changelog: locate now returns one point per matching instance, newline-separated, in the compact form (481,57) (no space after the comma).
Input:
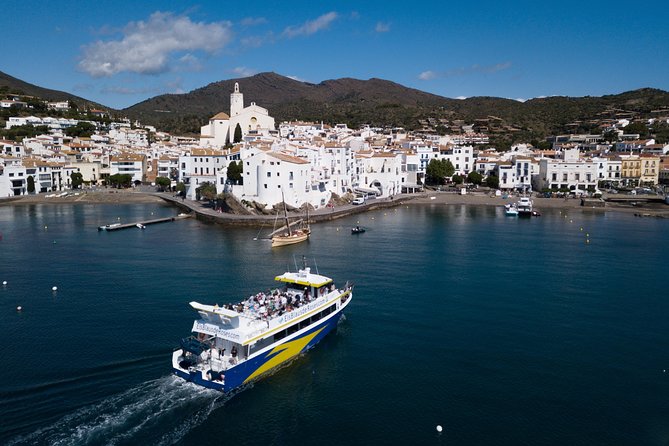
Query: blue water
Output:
(504,331)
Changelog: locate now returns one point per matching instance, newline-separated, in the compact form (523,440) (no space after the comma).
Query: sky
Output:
(119,53)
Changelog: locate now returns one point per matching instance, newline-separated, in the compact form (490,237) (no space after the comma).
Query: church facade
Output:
(221,128)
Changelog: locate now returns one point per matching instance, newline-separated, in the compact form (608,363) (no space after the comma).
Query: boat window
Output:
(280,335)
(292,329)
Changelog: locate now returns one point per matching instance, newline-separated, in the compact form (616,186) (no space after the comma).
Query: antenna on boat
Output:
(316,265)
(304,262)
(297,268)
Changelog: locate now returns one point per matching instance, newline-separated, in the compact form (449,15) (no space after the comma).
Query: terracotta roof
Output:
(288,158)
(220,116)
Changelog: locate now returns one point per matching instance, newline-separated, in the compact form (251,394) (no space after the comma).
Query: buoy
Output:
(587,235)
(587,241)
(54,242)
(4,282)
(54,288)
(439,428)
(19,308)
(581,228)
(46,227)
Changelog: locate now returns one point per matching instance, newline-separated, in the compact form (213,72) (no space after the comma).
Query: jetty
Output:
(140,224)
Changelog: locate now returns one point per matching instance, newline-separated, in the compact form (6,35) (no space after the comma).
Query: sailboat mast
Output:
(285,213)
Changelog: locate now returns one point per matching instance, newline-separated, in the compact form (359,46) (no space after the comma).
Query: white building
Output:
(253,120)
(267,174)
(571,172)
(132,164)
(201,166)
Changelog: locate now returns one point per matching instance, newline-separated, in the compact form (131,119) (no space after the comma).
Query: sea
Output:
(503,331)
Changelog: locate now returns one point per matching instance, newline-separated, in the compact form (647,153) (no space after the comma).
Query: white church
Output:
(221,128)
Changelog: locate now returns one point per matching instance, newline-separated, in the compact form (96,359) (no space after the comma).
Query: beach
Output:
(121,196)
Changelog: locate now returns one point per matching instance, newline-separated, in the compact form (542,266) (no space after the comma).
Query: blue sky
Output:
(119,53)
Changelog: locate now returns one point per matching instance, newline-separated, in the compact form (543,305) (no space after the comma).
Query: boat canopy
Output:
(304,277)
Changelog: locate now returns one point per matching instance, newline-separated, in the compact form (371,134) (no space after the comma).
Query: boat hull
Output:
(267,361)
(289,240)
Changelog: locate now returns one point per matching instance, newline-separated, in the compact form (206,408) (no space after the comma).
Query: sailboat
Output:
(291,233)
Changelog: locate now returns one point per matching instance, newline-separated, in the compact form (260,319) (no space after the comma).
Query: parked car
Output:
(358,200)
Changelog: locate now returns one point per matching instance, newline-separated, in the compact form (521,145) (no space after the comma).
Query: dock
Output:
(140,224)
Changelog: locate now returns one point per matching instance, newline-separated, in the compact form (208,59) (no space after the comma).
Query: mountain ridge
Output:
(374,101)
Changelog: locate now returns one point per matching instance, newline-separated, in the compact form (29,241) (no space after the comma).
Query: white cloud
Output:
(244,71)
(311,26)
(146,47)
(462,98)
(427,75)
(382,27)
(253,21)
(295,78)
(463,71)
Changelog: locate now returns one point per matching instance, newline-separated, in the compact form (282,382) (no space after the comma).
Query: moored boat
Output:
(235,344)
(108,227)
(511,210)
(357,230)
(289,235)
(524,207)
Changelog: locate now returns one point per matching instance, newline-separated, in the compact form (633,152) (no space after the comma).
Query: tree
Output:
(31,184)
(437,171)
(235,171)
(82,129)
(120,180)
(458,179)
(181,189)
(610,136)
(238,134)
(474,177)
(450,170)
(163,183)
(206,190)
(492,181)
(638,127)
(77,180)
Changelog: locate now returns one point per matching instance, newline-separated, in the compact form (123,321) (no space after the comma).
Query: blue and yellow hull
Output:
(257,366)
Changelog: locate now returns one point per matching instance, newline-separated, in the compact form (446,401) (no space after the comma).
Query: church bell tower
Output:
(236,101)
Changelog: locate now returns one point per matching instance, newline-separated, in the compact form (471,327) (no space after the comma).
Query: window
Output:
(265,185)
(269,174)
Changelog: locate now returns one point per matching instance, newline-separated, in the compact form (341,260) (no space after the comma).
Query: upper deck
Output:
(266,313)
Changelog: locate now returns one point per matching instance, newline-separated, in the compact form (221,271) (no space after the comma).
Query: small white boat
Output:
(140,226)
(511,210)
(109,227)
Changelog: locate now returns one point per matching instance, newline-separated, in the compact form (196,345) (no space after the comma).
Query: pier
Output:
(140,224)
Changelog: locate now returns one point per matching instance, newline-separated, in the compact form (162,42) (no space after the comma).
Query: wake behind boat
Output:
(237,343)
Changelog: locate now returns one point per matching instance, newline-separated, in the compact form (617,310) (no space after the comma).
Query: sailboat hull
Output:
(295,237)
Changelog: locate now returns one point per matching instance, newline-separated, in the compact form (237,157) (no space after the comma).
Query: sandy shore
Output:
(114,196)
(102,196)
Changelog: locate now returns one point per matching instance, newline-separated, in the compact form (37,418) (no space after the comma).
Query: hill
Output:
(383,103)
(380,103)
(12,85)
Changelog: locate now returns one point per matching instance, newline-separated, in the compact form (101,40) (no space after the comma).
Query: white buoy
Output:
(54,288)
(439,428)
(19,308)
(4,282)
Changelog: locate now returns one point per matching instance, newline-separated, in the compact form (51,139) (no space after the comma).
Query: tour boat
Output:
(234,344)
